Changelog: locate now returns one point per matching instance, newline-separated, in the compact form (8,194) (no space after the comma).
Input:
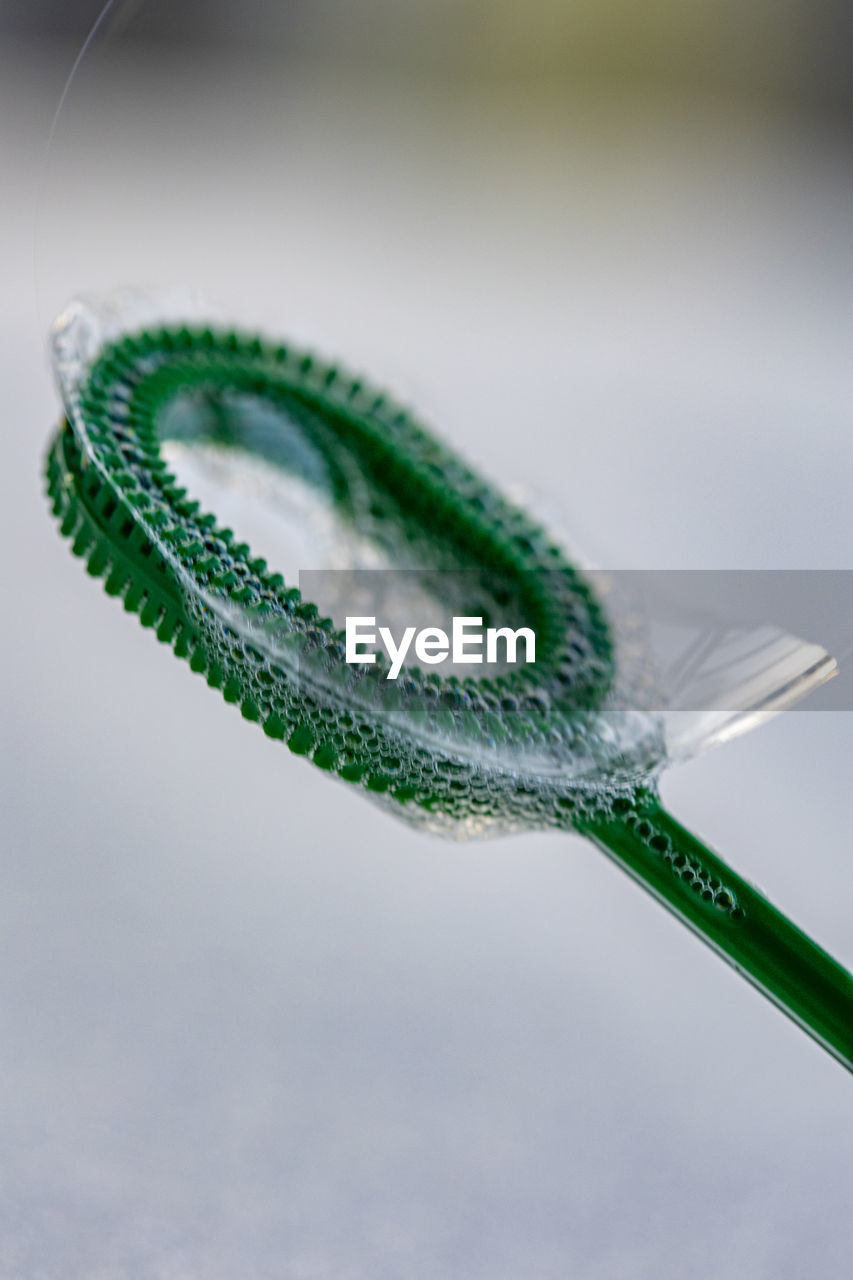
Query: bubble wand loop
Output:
(463,752)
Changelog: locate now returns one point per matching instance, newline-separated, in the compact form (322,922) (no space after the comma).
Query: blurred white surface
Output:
(251,1026)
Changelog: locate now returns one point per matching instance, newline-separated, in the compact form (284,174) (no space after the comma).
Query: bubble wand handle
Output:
(734,918)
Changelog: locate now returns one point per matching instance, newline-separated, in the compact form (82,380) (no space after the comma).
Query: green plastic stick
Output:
(736,920)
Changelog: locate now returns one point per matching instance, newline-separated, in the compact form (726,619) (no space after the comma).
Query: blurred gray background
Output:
(794,51)
(251,1026)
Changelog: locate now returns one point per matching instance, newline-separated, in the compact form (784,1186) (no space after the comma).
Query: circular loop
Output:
(454,745)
